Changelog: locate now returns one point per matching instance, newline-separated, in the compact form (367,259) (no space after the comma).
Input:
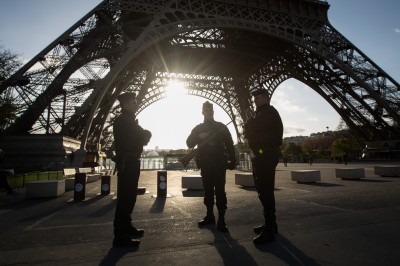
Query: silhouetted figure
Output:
(216,153)
(285,160)
(264,133)
(129,141)
(345,158)
(4,174)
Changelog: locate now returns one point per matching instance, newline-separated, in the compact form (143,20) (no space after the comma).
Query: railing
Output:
(152,163)
(245,162)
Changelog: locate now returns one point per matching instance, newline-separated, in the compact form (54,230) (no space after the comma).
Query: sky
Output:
(28,26)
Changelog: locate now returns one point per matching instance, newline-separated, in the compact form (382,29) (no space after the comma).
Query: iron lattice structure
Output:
(220,50)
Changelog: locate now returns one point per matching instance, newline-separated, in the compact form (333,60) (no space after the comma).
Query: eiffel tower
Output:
(221,50)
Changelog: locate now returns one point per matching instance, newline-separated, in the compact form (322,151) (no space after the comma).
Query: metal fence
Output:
(152,163)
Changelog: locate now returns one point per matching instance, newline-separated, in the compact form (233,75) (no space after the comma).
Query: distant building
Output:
(295,139)
(152,154)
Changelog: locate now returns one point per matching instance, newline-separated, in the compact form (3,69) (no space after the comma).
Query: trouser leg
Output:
(264,175)
(208,190)
(265,183)
(127,193)
(220,194)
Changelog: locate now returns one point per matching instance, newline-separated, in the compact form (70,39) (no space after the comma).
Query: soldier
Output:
(264,133)
(129,141)
(215,154)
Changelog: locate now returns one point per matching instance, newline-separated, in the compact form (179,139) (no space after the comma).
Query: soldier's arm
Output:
(229,144)
(193,138)
(144,135)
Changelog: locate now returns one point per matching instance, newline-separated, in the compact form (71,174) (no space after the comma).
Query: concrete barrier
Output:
(387,170)
(69,175)
(192,182)
(45,188)
(244,179)
(350,173)
(306,176)
(69,183)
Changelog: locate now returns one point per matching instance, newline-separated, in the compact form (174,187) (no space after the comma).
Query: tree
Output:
(9,63)
(345,147)
(292,150)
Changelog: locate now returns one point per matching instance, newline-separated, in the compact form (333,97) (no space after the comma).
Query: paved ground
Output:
(333,222)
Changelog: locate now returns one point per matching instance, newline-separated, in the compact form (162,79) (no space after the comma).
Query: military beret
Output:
(127,96)
(207,104)
(259,91)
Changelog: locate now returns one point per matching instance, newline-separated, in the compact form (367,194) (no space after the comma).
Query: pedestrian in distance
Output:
(285,160)
(264,132)
(216,153)
(4,174)
(129,140)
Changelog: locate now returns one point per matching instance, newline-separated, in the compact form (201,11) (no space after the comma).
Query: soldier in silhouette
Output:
(264,132)
(129,141)
(216,153)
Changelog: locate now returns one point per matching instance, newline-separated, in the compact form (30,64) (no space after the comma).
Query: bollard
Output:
(105,185)
(161,184)
(80,187)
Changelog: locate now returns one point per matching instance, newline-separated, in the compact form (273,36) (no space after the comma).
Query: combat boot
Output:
(270,220)
(221,225)
(123,239)
(134,232)
(267,235)
(125,242)
(208,219)
(259,229)
(269,229)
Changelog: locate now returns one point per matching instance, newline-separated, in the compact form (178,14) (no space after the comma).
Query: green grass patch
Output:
(19,181)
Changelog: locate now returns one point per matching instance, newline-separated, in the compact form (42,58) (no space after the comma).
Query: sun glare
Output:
(175,89)
(171,119)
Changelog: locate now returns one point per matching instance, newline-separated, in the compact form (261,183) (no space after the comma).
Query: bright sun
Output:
(175,89)
(171,119)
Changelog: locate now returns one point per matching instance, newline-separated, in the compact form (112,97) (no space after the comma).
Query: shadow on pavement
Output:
(193,193)
(283,249)
(368,180)
(231,252)
(158,205)
(102,211)
(115,254)
(321,184)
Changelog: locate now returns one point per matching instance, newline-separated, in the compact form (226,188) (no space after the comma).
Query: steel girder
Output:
(221,50)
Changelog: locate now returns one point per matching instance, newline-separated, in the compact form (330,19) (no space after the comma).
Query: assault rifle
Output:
(185,160)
